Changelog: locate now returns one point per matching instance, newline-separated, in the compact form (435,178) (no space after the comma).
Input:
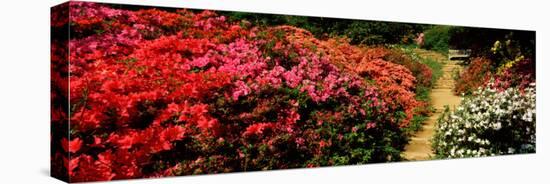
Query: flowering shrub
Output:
(480,71)
(421,71)
(156,93)
(392,70)
(396,82)
(519,75)
(490,122)
(474,76)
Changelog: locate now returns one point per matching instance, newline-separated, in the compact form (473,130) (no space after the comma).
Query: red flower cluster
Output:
(476,75)
(396,83)
(156,93)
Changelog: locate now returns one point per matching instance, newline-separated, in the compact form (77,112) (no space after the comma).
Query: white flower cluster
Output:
(488,123)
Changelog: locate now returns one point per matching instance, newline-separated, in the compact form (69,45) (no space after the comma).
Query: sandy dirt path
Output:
(419,147)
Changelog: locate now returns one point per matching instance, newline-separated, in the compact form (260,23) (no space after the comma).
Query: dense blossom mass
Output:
(493,122)
(166,92)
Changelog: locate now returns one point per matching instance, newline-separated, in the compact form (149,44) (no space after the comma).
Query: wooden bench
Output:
(463,54)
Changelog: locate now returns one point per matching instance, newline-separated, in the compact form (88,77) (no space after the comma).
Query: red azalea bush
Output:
(474,76)
(397,85)
(155,93)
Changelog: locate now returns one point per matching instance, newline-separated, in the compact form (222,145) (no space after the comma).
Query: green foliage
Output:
(423,93)
(507,53)
(375,33)
(359,31)
(437,38)
(435,66)
(416,124)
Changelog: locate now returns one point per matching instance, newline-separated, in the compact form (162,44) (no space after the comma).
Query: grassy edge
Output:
(423,92)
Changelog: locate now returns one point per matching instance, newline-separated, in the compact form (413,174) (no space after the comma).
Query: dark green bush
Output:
(437,38)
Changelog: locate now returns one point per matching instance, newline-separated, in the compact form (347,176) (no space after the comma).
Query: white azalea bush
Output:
(490,122)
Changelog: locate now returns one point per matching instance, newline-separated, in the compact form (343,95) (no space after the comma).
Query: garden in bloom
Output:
(143,92)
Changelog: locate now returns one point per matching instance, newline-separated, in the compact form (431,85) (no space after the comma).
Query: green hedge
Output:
(437,38)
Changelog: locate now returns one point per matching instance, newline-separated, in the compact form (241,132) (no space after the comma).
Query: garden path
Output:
(419,147)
